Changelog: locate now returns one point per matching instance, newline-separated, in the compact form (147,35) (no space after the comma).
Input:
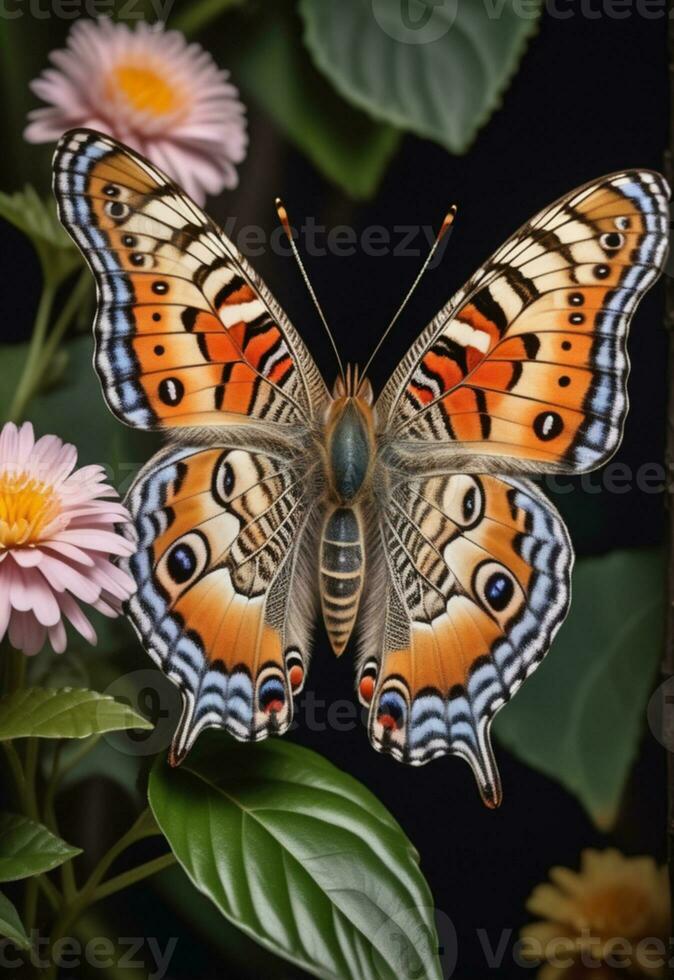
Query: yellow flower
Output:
(608,920)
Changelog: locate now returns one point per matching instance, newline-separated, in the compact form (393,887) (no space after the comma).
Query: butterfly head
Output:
(353,385)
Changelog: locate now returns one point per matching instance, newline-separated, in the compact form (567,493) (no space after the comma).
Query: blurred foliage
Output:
(37,219)
(24,45)
(28,848)
(11,925)
(442,87)
(273,69)
(300,856)
(580,717)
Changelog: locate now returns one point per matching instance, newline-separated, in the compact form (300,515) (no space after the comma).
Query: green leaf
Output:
(11,925)
(273,69)
(579,718)
(242,954)
(37,712)
(37,219)
(300,856)
(441,79)
(27,848)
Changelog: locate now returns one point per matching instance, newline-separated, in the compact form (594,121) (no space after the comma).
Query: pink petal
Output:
(106,541)
(57,637)
(7,443)
(76,617)
(198,142)
(5,604)
(62,576)
(26,634)
(26,557)
(19,593)
(72,553)
(28,592)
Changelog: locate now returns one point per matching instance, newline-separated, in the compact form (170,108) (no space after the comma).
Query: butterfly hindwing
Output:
(187,334)
(476,586)
(526,368)
(220,604)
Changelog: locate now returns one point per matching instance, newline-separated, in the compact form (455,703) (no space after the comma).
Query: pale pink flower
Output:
(58,535)
(152,90)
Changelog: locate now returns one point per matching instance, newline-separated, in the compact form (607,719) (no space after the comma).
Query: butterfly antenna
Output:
(444,228)
(283,218)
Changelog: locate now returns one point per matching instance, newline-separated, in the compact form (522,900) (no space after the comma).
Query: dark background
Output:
(590,97)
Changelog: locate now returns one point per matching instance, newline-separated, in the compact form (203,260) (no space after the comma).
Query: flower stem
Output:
(30,771)
(27,384)
(119,882)
(17,772)
(92,891)
(49,811)
(76,298)
(198,15)
(30,903)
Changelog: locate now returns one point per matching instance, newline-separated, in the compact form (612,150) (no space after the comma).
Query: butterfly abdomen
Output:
(342,565)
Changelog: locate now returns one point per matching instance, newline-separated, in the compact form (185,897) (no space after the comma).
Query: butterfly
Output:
(410,520)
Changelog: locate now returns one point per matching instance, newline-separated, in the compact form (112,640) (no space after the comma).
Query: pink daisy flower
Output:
(152,90)
(58,534)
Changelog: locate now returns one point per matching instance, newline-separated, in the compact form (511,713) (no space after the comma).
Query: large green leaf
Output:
(69,713)
(580,717)
(300,856)
(11,925)
(436,69)
(27,848)
(274,69)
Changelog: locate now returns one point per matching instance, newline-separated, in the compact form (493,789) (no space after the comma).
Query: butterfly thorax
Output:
(349,445)
(349,448)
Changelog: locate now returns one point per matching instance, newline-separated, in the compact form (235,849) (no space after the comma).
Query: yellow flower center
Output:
(27,506)
(144,89)
(616,909)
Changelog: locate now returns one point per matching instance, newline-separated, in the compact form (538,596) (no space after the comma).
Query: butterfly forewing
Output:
(187,334)
(526,369)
